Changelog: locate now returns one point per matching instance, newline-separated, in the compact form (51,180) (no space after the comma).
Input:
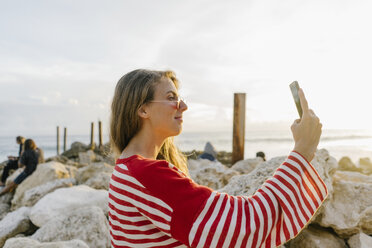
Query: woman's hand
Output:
(306,131)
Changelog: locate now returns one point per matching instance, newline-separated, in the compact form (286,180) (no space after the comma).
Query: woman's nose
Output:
(183,106)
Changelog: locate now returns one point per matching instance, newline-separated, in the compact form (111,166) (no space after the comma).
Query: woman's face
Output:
(165,117)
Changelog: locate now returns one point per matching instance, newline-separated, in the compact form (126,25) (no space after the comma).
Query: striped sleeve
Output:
(137,218)
(201,217)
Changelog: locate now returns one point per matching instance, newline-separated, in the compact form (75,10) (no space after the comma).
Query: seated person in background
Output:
(209,152)
(261,155)
(30,158)
(12,161)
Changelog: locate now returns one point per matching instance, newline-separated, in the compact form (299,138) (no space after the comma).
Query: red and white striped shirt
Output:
(153,204)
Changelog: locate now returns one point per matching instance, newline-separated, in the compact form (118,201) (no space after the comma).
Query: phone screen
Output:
(294,89)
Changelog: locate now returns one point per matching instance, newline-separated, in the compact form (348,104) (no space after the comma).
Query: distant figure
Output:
(261,155)
(209,152)
(12,161)
(30,158)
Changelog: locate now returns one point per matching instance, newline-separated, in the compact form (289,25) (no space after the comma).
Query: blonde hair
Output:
(132,91)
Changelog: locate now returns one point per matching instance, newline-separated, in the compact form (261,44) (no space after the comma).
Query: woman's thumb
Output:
(295,123)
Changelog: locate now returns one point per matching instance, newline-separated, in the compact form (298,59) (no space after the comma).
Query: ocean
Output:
(352,143)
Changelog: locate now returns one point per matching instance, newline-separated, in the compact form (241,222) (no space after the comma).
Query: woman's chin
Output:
(177,131)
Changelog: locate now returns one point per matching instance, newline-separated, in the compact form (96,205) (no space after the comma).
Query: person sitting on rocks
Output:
(30,158)
(261,155)
(209,152)
(12,161)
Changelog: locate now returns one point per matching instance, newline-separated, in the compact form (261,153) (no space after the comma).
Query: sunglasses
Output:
(178,102)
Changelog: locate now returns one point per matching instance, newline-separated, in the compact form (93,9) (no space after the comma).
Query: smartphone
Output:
(294,89)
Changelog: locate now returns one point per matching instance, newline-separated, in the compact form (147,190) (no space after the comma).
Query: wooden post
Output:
(100,133)
(92,136)
(239,128)
(57,140)
(64,139)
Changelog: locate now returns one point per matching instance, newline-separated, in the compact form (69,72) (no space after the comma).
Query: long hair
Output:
(30,145)
(132,91)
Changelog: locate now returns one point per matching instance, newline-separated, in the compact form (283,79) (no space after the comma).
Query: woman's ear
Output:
(143,113)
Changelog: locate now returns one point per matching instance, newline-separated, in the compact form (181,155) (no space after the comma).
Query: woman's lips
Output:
(178,118)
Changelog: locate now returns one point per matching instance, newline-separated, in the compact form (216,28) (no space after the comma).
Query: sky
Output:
(60,60)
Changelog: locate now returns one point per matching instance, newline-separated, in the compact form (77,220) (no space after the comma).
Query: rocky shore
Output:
(64,203)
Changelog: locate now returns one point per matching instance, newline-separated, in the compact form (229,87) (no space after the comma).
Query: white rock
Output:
(14,223)
(248,184)
(58,158)
(4,210)
(44,173)
(365,165)
(312,237)
(76,147)
(247,165)
(21,243)
(88,224)
(6,198)
(5,204)
(352,176)
(87,157)
(110,159)
(350,209)
(30,243)
(366,220)
(33,195)
(360,240)
(94,169)
(67,199)
(326,166)
(13,175)
(99,181)
(345,164)
(72,169)
(212,174)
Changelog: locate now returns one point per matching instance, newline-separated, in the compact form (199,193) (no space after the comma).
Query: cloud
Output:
(73,101)
(60,61)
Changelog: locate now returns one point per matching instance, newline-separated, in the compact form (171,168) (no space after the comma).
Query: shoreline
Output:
(225,156)
(351,143)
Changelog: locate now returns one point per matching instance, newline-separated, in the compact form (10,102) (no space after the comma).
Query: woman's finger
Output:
(314,116)
(297,121)
(304,104)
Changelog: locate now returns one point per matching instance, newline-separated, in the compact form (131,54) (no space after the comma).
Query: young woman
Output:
(154,203)
(30,158)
